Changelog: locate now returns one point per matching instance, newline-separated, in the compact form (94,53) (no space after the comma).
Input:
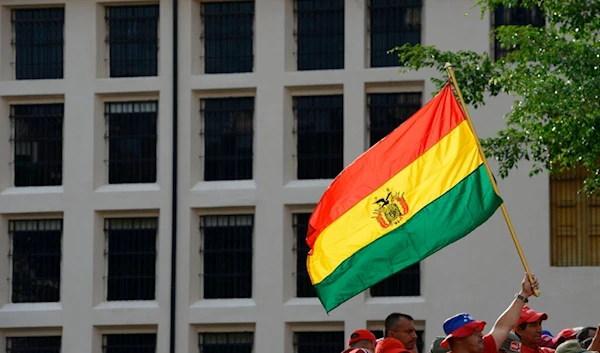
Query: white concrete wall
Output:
(479,274)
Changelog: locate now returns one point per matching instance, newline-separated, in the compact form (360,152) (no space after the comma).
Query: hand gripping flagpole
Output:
(448,68)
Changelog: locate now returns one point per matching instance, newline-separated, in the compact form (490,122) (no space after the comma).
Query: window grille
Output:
(37,138)
(131,257)
(227,36)
(226,249)
(319,132)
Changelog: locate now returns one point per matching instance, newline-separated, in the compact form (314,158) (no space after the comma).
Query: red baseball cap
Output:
(361,335)
(553,342)
(530,315)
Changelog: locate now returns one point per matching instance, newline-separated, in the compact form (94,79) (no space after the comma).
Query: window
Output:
(33,344)
(227,35)
(226,342)
(227,256)
(392,23)
(131,256)
(38,43)
(319,130)
(304,287)
(574,221)
(36,257)
(37,137)
(515,16)
(132,40)
(319,34)
(406,283)
(319,342)
(228,137)
(131,133)
(129,343)
(388,110)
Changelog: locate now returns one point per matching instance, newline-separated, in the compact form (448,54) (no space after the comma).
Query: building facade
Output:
(270,99)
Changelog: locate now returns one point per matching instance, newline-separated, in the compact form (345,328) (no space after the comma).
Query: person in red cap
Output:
(553,342)
(361,339)
(529,330)
(465,334)
(390,345)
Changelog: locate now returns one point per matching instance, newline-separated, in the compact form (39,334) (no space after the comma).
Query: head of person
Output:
(362,339)
(572,346)
(401,327)
(390,345)
(529,327)
(586,333)
(436,346)
(511,344)
(463,333)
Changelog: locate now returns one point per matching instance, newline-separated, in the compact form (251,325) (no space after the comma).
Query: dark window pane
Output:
(37,143)
(320,34)
(515,16)
(320,136)
(132,142)
(33,344)
(393,23)
(319,342)
(228,34)
(304,288)
(36,257)
(38,43)
(227,256)
(133,40)
(129,343)
(406,283)
(131,254)
(226,342)
(228,138)
(388,110)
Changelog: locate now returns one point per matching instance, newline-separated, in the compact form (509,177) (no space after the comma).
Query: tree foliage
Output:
(552,72)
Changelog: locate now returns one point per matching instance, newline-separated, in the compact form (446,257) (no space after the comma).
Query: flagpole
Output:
(448,68)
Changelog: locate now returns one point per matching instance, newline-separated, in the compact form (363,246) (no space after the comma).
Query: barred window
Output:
(35,254)
(132,134)
(37,138)
(132,40)
(319,34)
(574,221)
(131,256)
(226,250)
(392,23)
(388,110)
(319,342)
(406,283)
(38,42)
(228,133)
(226,342)
(227,36)
(129,343)
(514,16)
(33,344)
(304,287)
(319,131)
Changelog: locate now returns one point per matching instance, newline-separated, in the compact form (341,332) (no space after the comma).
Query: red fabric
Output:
(361,335)
(530,315)
(489,345)
(537,350)
(390,345)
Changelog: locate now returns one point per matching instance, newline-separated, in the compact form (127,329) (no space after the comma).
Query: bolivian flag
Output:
(419,189)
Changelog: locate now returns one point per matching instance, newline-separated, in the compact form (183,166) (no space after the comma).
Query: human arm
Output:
(509,318)
(595,345)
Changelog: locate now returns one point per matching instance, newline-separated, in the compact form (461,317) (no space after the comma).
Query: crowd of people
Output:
(517,330)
